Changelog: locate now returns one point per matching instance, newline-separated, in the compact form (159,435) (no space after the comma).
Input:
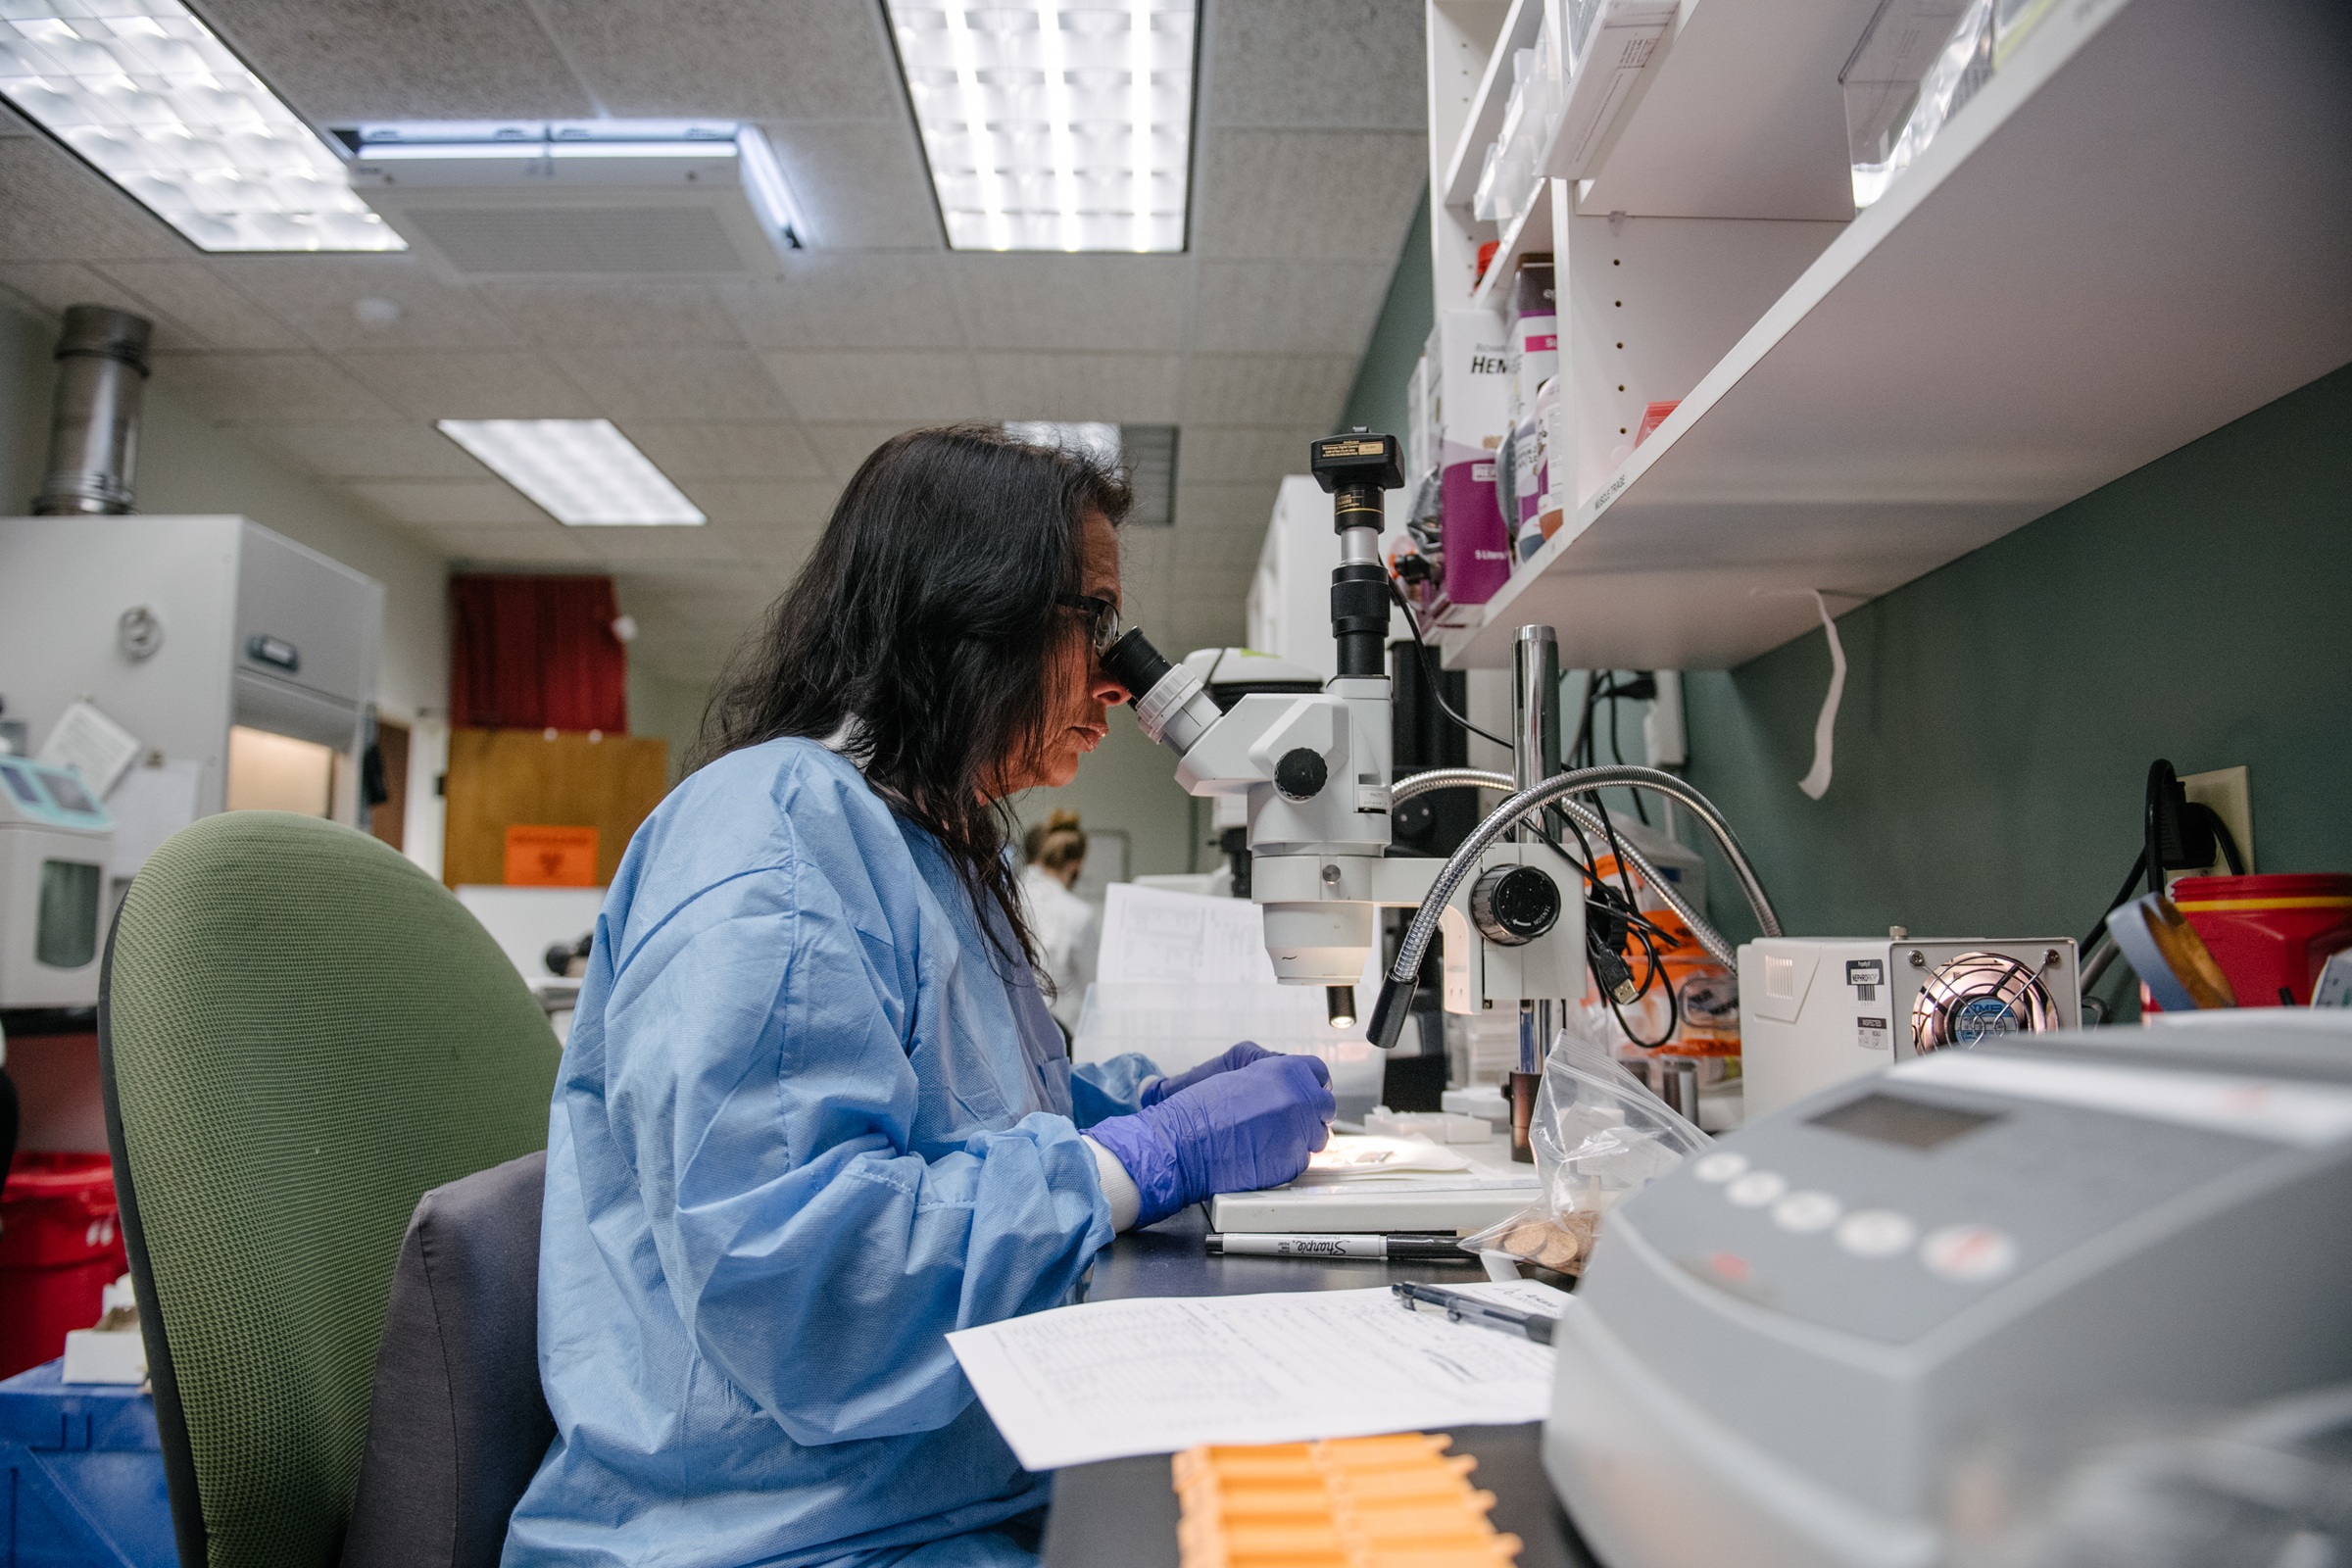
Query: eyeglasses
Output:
(1102,627)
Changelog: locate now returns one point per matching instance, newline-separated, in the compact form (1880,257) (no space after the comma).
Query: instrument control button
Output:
(1877,1232)
(1969,1254)
(1806,1213)
(1757,1189)
(1720,1166)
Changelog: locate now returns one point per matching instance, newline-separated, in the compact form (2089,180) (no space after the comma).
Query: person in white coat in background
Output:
(1068,929)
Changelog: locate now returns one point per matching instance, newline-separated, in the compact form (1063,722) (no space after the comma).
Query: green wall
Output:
(1377,400)
(2000,714)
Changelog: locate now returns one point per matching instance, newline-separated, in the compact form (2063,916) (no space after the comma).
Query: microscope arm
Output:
(1396,987)
(1709,937)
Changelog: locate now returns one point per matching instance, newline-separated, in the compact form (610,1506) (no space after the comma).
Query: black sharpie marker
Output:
(1417,1247)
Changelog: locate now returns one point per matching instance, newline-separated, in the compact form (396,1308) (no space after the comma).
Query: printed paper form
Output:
(1110,1379)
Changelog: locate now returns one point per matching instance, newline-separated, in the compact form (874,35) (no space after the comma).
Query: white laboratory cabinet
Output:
(178,628)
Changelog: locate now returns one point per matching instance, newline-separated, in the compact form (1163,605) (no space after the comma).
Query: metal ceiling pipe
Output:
(94,420)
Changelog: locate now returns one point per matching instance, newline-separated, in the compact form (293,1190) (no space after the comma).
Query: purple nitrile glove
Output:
(1241,1055)
(1232,1131)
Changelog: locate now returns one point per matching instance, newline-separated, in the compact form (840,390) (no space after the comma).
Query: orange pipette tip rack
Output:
(1397,1502)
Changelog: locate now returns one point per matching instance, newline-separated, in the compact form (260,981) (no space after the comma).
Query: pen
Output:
(1420,1247)
(1461,1309)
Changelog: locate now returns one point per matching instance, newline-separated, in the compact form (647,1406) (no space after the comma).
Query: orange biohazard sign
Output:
(540,857)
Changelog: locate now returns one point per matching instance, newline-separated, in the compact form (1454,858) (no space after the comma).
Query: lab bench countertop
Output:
(1123,1511)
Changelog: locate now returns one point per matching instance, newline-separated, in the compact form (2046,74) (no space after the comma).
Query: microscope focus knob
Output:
(1513,904)
(1300,774)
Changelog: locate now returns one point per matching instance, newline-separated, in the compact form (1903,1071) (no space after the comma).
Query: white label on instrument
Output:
(1869,1033)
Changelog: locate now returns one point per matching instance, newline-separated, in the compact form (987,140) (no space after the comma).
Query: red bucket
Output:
(2270,934)
(60,1246)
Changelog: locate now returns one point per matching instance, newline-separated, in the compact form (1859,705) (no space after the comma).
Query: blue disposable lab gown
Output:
(806,1122)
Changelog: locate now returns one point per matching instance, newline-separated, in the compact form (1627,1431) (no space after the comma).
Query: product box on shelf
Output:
(1532,341)
(1473,411)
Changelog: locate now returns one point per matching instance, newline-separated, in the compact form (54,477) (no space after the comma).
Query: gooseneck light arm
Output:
(1396,987)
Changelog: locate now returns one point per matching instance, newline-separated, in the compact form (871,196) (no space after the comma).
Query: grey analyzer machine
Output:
(1786,1353)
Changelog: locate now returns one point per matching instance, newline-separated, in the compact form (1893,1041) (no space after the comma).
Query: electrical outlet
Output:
(2230,794)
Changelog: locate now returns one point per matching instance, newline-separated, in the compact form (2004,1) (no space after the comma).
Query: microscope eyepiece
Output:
(1171,706)
(1135,664)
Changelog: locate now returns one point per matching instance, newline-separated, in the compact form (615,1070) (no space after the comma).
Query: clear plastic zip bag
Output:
(1599,1136)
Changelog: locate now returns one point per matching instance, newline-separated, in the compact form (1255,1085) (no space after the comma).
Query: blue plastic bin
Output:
(81,1477)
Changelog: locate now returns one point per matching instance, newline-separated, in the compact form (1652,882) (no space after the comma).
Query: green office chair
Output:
(300,1034)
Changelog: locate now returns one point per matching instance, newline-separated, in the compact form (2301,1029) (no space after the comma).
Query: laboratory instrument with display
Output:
(1812,1344)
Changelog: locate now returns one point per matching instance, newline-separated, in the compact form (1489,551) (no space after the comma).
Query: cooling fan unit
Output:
(1815,1011)
(1980,995)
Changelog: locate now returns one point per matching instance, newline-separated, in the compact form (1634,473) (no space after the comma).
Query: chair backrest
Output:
(457,1424)
(300,1034)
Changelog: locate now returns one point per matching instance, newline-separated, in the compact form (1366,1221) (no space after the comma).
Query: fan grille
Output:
(1980,995)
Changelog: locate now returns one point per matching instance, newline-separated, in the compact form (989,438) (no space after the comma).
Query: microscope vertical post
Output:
(1534,757)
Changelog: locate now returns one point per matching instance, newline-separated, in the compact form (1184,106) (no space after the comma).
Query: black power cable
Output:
(1429,671)
(1625,917)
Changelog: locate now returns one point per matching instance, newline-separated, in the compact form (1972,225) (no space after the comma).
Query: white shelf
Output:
(2140,231)
(1744,117)
(1529,233)
(1485,118)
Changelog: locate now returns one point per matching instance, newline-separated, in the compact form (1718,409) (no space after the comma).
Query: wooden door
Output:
(503,779)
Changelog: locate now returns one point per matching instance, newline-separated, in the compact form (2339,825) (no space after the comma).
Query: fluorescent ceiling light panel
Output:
(146,94)
(1054,124)
(582,472)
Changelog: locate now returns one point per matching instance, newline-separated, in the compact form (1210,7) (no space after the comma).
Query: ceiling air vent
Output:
(603,199)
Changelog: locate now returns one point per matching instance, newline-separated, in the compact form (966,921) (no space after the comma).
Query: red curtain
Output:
(536,653)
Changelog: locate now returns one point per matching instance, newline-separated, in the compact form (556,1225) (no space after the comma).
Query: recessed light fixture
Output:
(154,102)
(583,472)
(1145,453)
(580,197)
(1054,124)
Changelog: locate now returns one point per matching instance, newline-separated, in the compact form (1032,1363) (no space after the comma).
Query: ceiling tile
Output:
(371,451)
(1266,388)
(48,288)
(1286,308)
(255,388)
(218,314)
(454,502)
(745,59)
(319,294)
(548,545)
(1214,453)
(609,315)
(786,504)
(771,544)
(55,208)
(877,384)
(509,384)
(861,184)
(668,545)
(352,60)
(675,382)
(712,449)
(883,300)
(1072,302)
(1225,508)
(1354,64)
(1125,388)
(845,446)
(1307,194)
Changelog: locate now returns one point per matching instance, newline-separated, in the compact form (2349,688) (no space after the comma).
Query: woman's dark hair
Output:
(927,613)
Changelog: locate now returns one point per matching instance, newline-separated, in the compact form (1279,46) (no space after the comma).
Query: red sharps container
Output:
(2270,934)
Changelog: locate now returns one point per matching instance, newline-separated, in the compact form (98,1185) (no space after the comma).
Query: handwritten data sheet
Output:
(1152,1375)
